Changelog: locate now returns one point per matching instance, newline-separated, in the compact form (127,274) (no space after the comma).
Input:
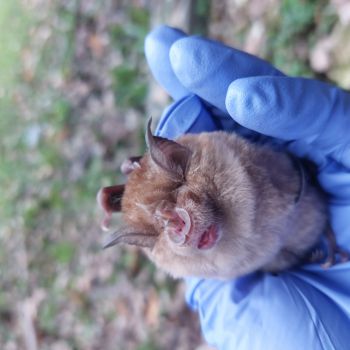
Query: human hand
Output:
(216,87)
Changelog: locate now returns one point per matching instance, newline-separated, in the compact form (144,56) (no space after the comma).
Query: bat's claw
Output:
(334,250)
(317,256)
(328,263)
(334,255)
(344,256)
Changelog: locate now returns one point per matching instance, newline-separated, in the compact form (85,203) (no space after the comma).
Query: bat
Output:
(215,205)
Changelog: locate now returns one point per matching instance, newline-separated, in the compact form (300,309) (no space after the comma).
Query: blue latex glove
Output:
(214,87)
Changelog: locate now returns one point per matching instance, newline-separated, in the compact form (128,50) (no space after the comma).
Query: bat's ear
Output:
(109,198)
(130,165)
(126,235)
(169,155)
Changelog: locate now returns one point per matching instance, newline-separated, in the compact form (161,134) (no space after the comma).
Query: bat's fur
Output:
(249,191)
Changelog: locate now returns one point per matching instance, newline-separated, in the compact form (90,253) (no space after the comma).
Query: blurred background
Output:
(75,93)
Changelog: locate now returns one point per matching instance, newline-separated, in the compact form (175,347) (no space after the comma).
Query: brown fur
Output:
(248,190)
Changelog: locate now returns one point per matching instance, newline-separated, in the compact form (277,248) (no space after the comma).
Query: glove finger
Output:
(229,309)
(157,45)
(190,114)
(185,115)
(300,109)
(207,67)
(335,180)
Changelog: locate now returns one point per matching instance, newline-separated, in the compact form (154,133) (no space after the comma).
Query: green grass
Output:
(16,21)
(23,164)
(299,23)
(200,17)
(31,146)
(39,201)
(129,78)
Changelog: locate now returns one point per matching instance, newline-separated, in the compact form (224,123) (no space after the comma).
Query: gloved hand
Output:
(217,87)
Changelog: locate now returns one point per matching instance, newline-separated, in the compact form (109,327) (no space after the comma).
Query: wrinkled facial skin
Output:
(179,210)
(213,205)
(188,214)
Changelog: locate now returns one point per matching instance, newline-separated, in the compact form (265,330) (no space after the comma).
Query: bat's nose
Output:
(176,221)
(179,227)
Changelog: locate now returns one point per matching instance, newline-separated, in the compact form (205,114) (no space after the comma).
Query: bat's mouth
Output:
(209,237)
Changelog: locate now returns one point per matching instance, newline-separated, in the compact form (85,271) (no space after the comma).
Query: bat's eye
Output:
(178,187)
(180,184)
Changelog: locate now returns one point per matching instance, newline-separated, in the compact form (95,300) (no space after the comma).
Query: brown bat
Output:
(217,206)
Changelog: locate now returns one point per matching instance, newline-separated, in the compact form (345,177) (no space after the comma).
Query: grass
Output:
(41,205)
(26,151)
(298,25)
(14,18)
(33,168)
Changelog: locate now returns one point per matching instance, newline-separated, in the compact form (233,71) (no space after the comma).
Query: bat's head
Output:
(171,205)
